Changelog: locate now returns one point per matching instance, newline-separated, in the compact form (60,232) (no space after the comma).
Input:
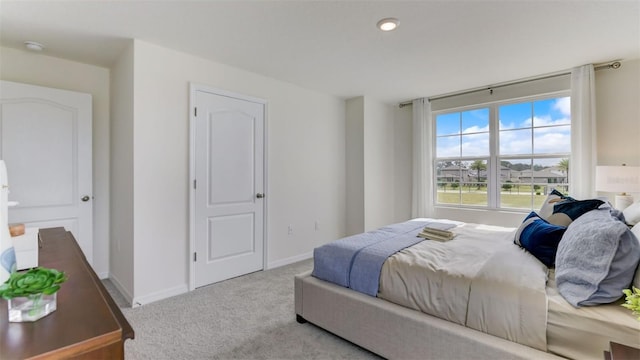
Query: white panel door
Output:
(45,141)
(228,197)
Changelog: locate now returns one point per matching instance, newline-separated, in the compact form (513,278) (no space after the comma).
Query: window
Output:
(504,155)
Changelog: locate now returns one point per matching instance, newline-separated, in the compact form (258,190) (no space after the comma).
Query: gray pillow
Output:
(596,259)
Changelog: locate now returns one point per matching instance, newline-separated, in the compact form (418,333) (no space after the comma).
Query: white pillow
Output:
(636,231)
(636,279)
(632,213)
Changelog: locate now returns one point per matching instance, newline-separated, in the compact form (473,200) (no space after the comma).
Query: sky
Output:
(539,127)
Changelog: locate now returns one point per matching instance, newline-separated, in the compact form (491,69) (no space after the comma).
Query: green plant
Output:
(507,186)
(632,301)
(38,280)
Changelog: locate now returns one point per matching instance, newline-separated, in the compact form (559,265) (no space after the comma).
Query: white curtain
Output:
(583,133)
(421,204)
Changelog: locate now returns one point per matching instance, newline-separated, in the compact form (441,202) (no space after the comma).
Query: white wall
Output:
(121,226)
(378,164)
(618,116)
(306,165)
(402,160)
(38,69)
(354,142)
(370,164)
(618,139)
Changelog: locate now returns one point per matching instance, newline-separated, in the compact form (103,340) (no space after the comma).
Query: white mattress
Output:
(584,333)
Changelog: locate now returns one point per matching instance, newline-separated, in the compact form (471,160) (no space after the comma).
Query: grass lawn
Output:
(479,197)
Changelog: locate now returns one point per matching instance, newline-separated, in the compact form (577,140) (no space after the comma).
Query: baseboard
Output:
(114,280)
(160,295)
(289,260)
(103,275)
(182,289)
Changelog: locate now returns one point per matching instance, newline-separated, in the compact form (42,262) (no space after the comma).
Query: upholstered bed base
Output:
(396,332)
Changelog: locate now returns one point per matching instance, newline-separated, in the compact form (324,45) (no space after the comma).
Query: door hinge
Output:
(195,257)
(194,184)
(195,111)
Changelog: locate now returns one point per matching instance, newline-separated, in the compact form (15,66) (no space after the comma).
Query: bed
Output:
(481,295)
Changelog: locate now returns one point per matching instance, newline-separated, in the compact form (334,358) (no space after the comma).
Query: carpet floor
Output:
(248,317)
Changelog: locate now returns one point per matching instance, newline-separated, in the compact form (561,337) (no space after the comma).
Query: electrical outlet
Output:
(317,225)
(290,229)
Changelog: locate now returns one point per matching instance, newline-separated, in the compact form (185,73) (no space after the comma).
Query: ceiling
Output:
(334,46)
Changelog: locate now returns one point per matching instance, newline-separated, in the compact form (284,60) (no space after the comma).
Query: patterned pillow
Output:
(559,209)
(566,211)
(540,238)
(554,197)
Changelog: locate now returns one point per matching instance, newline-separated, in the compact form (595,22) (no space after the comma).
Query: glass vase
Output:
(31,308)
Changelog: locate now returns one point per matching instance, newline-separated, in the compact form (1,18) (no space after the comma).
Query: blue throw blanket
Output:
(356,261)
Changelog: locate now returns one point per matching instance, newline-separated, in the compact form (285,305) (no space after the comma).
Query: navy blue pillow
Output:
(540,238)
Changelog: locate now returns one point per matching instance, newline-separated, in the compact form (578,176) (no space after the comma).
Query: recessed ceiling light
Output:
(33,46)
(388,24)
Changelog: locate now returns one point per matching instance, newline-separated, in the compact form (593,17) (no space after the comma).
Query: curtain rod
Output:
(614,65)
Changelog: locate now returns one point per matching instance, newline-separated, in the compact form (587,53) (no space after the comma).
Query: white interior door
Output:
(229,206)
(45,141)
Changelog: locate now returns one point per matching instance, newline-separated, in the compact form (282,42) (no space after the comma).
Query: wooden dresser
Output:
(87,323)
(621,352)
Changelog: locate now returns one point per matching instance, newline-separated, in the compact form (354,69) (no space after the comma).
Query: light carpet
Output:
(249,317)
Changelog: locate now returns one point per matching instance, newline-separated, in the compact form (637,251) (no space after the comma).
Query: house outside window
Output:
(503,155)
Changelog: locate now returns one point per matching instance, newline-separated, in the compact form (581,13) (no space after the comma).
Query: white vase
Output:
(7,253)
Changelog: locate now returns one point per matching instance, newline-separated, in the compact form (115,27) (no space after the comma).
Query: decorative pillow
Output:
(554,197)
(566,211)
(540,238)
(596,259)
(632,213)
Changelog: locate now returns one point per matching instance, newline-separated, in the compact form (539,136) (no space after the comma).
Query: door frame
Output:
(193,89)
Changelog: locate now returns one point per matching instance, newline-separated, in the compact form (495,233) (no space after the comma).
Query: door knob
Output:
(259,195)
(85,198)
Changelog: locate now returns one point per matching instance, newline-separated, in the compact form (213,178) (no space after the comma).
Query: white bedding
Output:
(583,333)
(474,280)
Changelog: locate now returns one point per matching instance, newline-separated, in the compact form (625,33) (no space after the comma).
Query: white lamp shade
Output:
(618,179)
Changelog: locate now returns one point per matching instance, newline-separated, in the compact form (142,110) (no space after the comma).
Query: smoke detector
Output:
(33,46)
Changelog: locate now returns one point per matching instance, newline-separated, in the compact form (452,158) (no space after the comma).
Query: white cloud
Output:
(563,105)
(515,142)
(546,140)
(448,146)
(475,129)
(548,121)
(552,142)
(475,145)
